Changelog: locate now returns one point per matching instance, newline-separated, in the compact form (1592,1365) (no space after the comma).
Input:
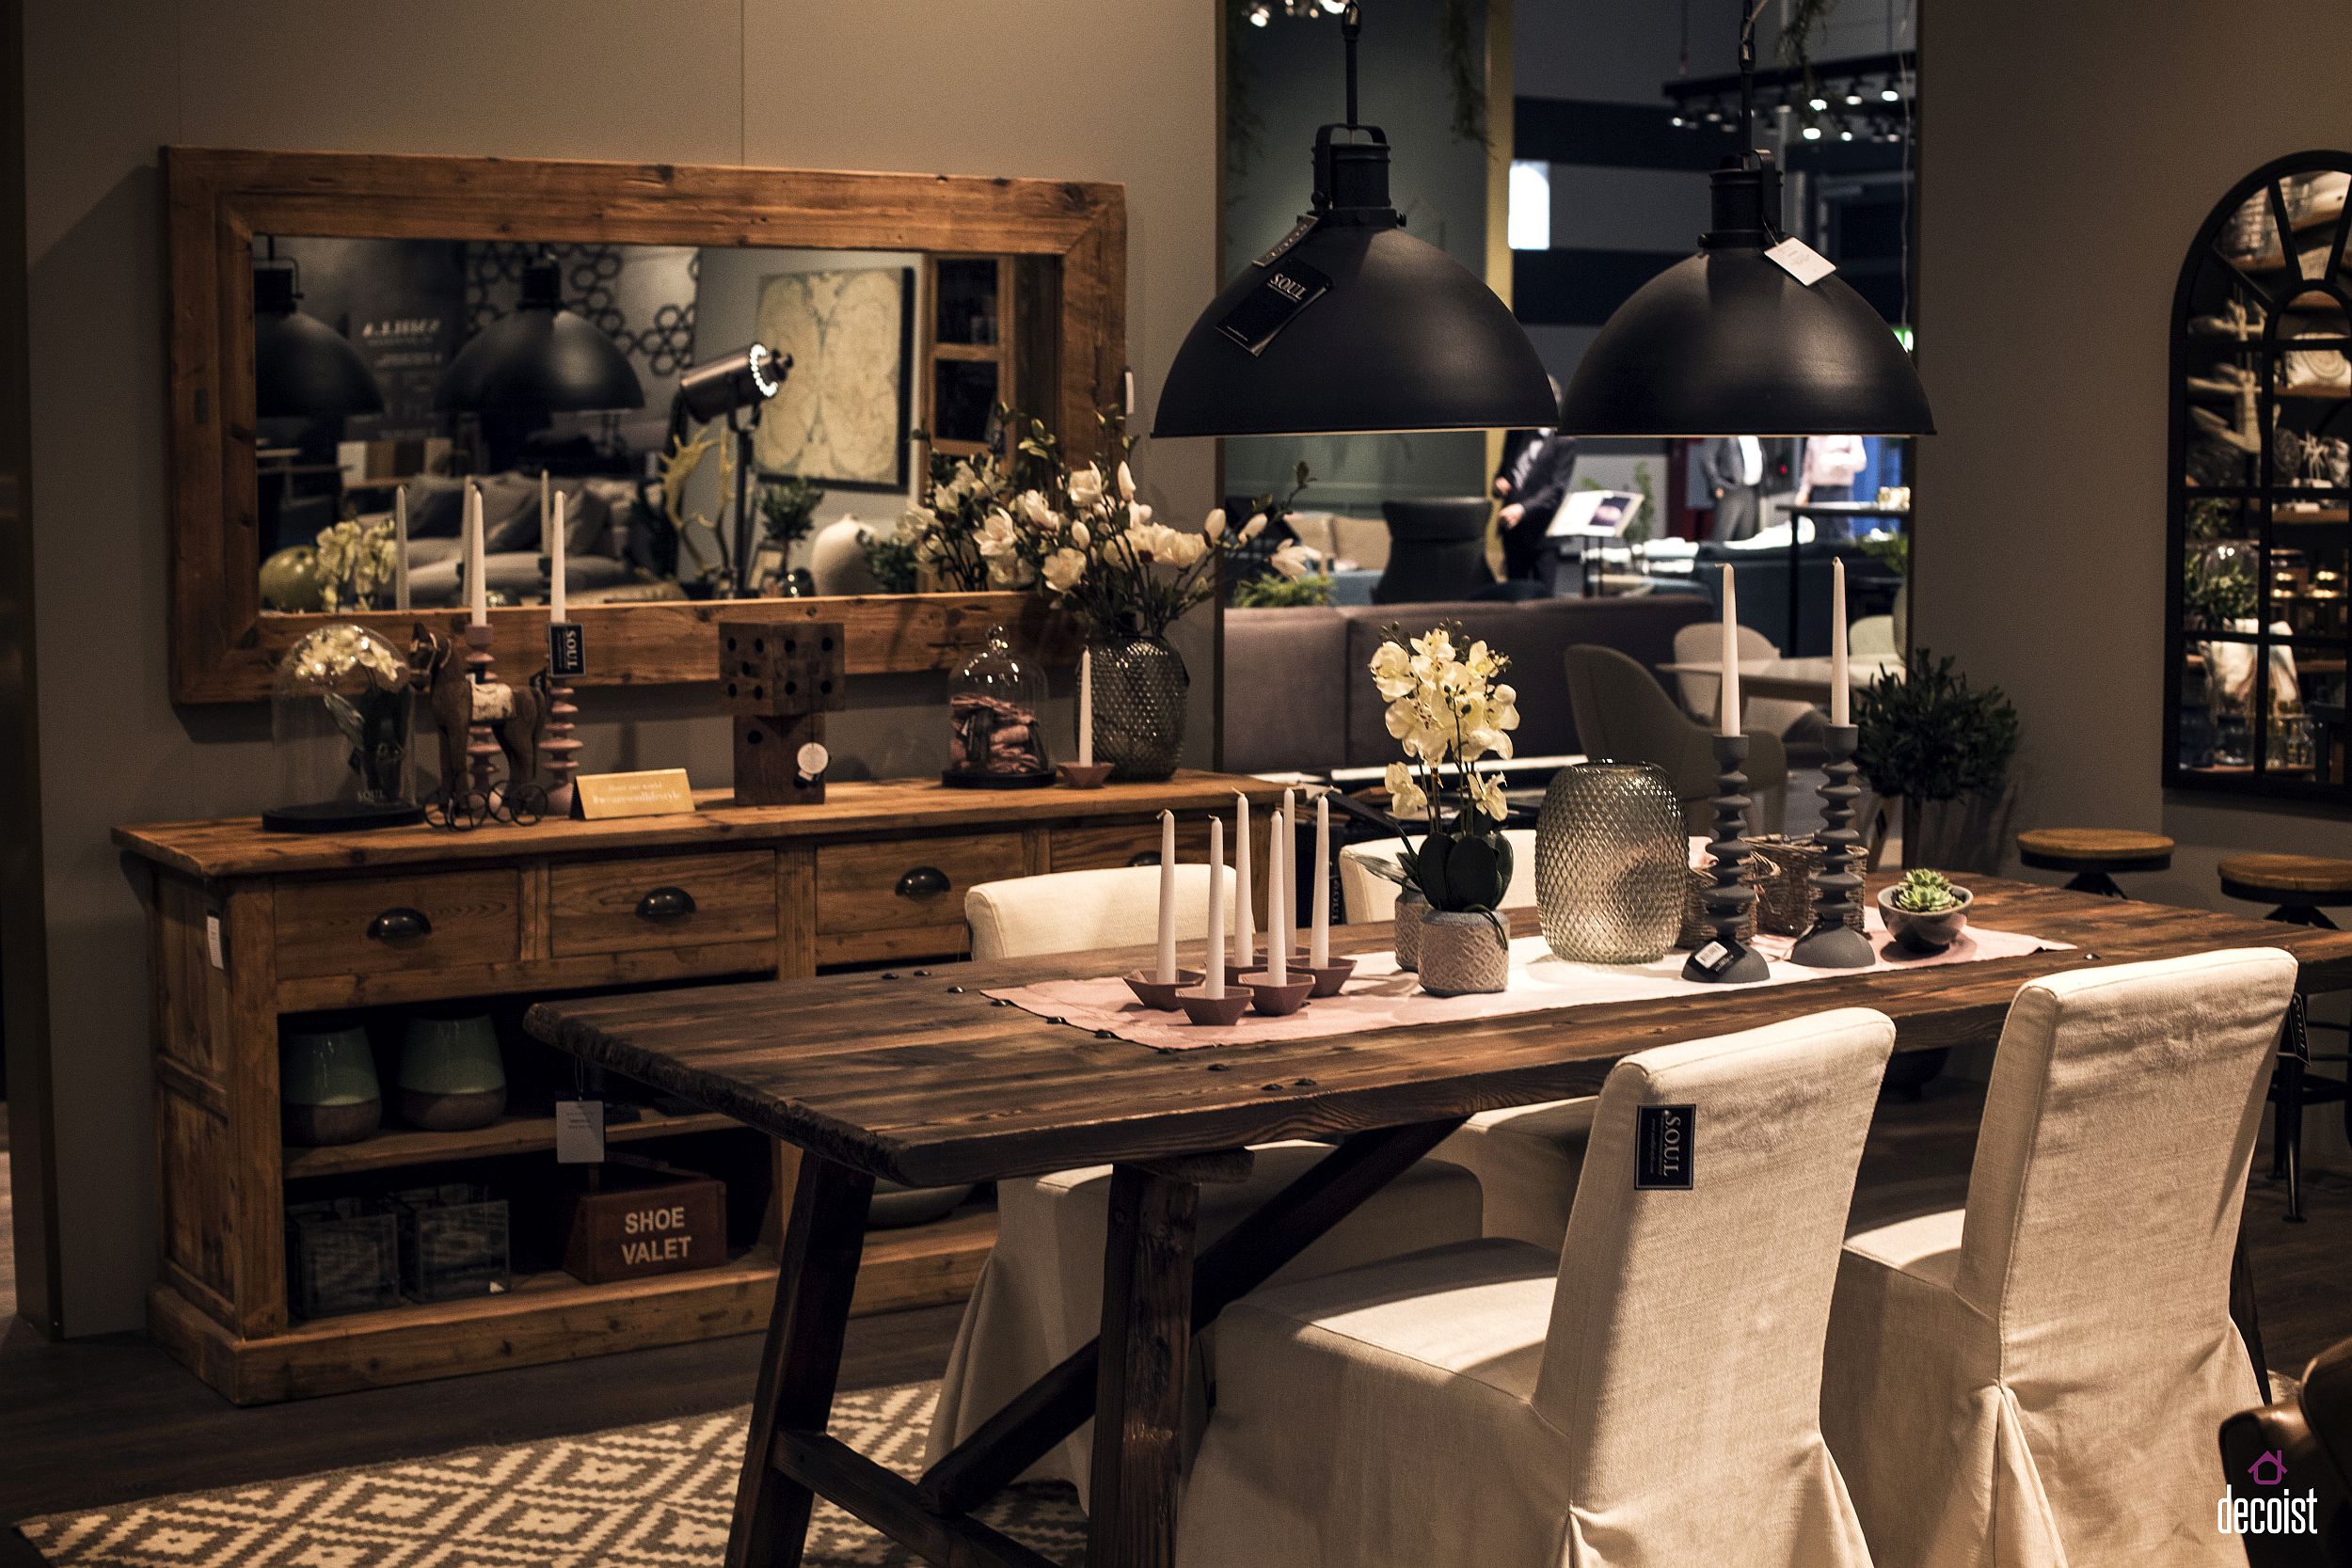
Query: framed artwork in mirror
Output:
(695,368)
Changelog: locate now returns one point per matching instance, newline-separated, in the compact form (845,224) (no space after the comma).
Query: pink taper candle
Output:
(1213,981)
(1730,720)
(1839,678)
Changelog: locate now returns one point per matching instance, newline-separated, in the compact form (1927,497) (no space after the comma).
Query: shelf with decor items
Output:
(247,928)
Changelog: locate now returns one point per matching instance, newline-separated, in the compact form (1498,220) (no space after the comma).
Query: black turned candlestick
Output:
(1725,957)
(1833,944)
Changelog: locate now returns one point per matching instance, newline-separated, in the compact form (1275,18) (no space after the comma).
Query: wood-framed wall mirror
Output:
(353,335)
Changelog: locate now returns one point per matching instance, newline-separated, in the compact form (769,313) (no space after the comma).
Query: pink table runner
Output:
(1379,996)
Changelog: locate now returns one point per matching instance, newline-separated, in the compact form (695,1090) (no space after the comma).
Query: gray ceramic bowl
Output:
(1926,933)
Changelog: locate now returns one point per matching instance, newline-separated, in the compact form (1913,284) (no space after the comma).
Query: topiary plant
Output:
(1930,736)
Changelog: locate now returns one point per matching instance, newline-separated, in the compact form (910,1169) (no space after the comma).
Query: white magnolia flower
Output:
(1063,568)
(1253,528)
(998,539)
(1293,561)
(1126,482)
(1033,508)
(1086,487)
(1213,526)
(1078,535)
(1181,549)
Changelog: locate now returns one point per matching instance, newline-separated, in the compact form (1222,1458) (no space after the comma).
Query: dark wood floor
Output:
(93,1422)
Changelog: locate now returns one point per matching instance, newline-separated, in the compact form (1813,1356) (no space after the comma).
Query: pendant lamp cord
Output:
(1351,27)
(1747,75)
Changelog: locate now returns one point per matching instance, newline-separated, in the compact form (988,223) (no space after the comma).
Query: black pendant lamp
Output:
(1351,324)
(1732,343)
(302,368)
(540,359)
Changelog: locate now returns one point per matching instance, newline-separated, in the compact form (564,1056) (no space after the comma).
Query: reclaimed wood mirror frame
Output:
(224,648)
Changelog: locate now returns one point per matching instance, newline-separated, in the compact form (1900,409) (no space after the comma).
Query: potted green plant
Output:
(1448,707)
(1925,911)
(788,509)
(1942,746)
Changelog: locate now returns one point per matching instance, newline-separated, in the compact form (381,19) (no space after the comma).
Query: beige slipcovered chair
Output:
(1651,1396)
(1040,1295)
(1874,637)
(1525,1157)
(1702,642)
(2035,1380)
(1623,714)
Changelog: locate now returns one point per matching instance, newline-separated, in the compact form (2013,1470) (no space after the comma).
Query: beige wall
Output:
(2070,154)
(1124,92)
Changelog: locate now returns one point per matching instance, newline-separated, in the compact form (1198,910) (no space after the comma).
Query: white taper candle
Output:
(1840,679)
(1213,981)
(1319,937)
(555,563)
(1164,972)
(1086,707)
(477,575)
(1729,722)
(1278,963)
(399,548)
(1245,915)
(1284,919)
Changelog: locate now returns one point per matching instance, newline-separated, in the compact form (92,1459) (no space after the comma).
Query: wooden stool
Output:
(2305,887)
(2094,855)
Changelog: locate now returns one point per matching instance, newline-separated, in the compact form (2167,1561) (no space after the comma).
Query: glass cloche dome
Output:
(993,741)
(339,717)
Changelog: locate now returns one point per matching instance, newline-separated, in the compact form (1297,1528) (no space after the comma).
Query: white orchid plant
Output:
(1077,534)
(1447,710)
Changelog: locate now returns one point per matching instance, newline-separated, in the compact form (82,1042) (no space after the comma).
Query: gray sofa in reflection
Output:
(1297,695)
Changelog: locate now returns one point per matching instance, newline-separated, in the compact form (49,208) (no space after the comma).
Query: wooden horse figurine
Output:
(458,703)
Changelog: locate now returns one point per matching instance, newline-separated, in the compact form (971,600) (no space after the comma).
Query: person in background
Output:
(1532,483)
(1830,464)
(1735,472)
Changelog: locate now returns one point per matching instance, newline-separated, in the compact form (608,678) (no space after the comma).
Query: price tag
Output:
(1286,289)
(1800,261)
(212,941)
(579,1132)
(568,649)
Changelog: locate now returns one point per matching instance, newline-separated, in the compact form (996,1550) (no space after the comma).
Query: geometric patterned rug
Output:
(648,1497)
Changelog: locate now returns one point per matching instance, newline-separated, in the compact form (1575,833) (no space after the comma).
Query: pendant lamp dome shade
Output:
(1729,342)
(303,368)
(1351,324)
(540,359)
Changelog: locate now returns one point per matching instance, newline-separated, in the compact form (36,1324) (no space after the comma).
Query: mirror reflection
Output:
(719,422)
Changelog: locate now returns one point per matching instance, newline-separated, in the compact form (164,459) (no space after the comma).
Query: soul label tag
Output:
(579,1132)
(1661,1146)
(567,648)
(1801,261)
(1287,289)
(1715,957)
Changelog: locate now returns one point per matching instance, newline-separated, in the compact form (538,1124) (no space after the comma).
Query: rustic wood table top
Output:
(915,1075)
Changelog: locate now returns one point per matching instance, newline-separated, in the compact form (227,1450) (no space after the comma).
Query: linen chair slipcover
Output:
(1873,635)
(1702,642)
(1650,1397)
(1525,1157)
(2035,1380)
(1040,1295)
(1623,714)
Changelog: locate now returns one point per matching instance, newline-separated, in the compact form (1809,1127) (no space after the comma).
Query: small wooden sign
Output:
(645,1223)
(656,792)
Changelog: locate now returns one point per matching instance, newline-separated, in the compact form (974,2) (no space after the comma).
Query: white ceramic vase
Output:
(1463,953)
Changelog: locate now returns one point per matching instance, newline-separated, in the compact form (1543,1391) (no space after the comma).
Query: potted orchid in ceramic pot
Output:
(1448,708)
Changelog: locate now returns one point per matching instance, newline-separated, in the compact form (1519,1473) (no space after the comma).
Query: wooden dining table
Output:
(915,1076)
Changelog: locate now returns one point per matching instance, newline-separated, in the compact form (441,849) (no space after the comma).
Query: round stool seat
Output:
(2306,881)
(2094,850)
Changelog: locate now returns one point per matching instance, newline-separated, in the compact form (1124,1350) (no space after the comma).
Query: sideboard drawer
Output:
(447,918)
(623,906)
(911,884)
(1098,846)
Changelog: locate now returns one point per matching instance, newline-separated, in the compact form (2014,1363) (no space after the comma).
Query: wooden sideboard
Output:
(246,927)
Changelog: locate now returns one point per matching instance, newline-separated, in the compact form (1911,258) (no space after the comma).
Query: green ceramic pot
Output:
(451,1077)
(326,1087)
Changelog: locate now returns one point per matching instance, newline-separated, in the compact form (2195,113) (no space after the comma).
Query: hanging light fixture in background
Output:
(302,368)
(1350,324)
(1746,338)
(540,359)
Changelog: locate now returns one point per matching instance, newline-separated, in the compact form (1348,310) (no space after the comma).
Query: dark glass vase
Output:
(1139,688)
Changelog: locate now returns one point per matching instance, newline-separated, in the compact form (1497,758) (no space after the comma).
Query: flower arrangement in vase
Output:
(1447,709)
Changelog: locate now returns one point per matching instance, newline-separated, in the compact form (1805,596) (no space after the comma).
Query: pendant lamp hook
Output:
(1351,28)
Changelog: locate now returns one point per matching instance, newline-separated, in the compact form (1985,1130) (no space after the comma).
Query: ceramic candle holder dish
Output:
(1085,775)
(1330,976)
(1273,1000)
(1217,1011)
(1156,996)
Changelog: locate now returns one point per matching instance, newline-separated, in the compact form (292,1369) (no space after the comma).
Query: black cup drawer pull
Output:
(399,925)
(665,903)
(924,881)
(1148,856)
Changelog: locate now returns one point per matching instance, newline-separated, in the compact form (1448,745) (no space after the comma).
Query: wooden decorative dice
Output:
(779,679)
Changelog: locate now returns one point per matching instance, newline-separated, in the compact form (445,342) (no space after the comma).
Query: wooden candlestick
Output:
(1833,944)
(1727,958)
(482,741)
(566,658)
